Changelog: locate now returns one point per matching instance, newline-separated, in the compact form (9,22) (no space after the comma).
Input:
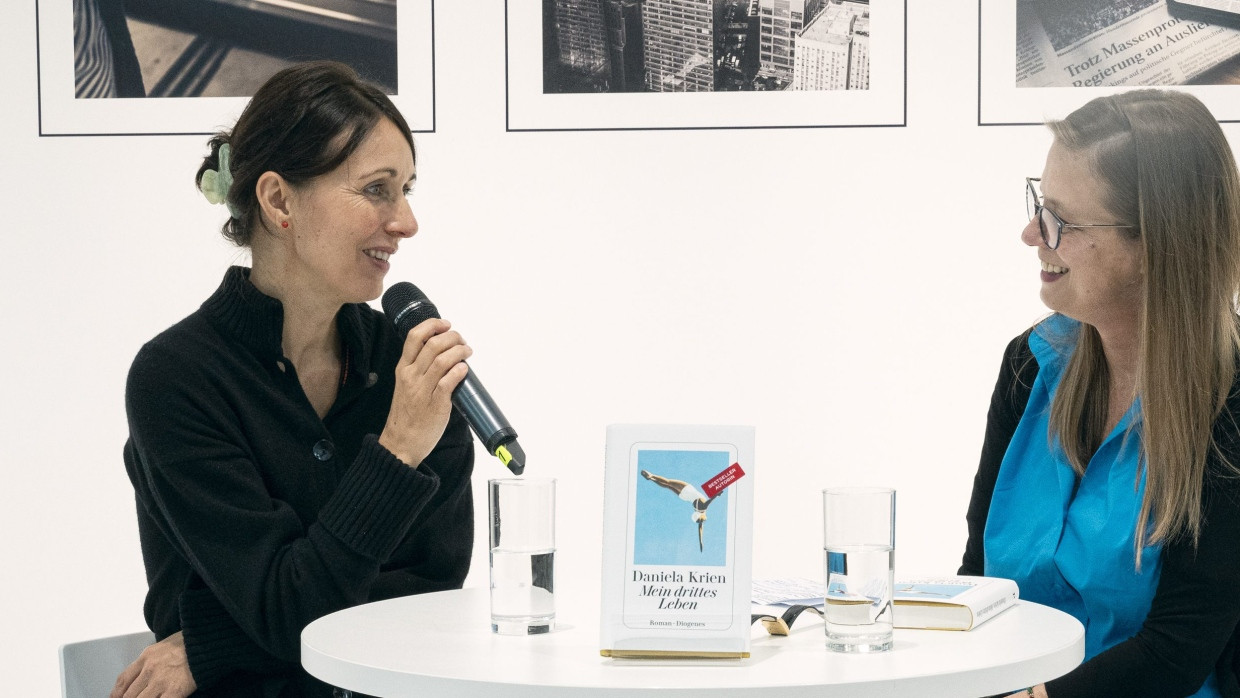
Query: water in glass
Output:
(858,604)
(522,591)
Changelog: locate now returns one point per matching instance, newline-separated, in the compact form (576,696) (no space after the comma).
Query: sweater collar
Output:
(255,319)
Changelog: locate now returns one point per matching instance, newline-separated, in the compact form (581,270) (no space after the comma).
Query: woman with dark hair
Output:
(1108,485)
(289,454)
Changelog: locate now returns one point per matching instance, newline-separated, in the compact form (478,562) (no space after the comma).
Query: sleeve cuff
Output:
(214,644)
(377,501)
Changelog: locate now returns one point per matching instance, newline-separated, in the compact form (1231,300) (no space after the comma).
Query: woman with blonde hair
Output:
(1108,485)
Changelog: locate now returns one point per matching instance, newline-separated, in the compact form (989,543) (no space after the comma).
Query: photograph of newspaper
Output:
(1095,43)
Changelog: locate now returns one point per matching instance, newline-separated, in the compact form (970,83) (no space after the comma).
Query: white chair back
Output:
(89,669)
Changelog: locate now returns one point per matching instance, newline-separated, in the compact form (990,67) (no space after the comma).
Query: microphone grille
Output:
(406,306)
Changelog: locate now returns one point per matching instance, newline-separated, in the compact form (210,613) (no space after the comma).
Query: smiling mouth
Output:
(378,254)
(1046,266)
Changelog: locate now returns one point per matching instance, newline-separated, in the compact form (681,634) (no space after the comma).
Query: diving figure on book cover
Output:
(688,493)
(664,526)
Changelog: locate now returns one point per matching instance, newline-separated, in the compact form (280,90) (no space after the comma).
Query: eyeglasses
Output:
(1049,223)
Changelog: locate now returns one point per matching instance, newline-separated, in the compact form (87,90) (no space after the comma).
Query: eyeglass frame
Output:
(1033,199)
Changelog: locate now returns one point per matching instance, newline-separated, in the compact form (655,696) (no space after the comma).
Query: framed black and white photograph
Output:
(139,67)
(1036,55)
(698,64)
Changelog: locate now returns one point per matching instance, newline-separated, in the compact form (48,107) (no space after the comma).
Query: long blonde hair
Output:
(1169,171)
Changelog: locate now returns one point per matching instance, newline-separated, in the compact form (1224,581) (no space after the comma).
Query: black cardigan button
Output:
(324,450)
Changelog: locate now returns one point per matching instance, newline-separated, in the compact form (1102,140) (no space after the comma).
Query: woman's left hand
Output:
(1039,691)
(161,670)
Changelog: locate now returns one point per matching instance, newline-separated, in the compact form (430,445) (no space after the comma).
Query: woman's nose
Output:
(1032,234)
(405,224)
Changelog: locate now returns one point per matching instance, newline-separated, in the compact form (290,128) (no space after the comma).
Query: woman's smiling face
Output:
(344,225)
(1096,274)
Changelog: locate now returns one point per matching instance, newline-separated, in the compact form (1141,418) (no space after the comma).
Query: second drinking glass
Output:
(859,540)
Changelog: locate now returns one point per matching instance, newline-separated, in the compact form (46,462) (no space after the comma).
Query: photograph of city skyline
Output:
(597,46)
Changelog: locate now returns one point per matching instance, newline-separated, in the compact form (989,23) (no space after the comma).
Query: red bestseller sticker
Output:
(718,483)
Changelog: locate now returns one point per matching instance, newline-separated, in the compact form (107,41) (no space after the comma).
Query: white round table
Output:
(441,645)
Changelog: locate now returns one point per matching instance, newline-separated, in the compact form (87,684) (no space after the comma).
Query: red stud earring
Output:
(283,224)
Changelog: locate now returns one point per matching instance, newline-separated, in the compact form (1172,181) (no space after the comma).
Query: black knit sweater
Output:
(256,516)
(1191,628)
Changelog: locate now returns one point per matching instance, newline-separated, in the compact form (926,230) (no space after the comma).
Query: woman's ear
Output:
(273,193)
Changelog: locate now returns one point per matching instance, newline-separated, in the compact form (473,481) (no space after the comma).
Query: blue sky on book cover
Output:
(666,530)
(930,592)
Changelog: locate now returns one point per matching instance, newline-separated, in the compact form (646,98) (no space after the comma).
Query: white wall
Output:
(846,291)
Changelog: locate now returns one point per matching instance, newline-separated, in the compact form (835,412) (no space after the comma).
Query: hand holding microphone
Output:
(431,366)
(408,308)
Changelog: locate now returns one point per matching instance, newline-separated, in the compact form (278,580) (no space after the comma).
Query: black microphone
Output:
(407,307)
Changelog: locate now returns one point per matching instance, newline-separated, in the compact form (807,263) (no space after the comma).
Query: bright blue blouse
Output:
(1068,543)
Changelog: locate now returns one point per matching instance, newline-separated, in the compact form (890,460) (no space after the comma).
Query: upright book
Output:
(677,541)
(951,603)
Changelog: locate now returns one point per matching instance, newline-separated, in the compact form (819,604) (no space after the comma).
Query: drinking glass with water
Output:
(859,526)
(522,516)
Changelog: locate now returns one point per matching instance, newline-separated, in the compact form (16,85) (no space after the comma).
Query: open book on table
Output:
(928,603)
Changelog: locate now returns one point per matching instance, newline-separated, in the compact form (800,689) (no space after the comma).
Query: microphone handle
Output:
(488,422)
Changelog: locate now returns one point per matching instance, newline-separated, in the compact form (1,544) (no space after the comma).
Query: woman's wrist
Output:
(398,449)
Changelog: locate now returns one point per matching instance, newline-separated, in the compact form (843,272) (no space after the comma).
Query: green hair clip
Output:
(216,183)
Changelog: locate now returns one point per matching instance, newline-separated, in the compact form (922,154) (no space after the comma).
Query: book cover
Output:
(677,540)
(951,603)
